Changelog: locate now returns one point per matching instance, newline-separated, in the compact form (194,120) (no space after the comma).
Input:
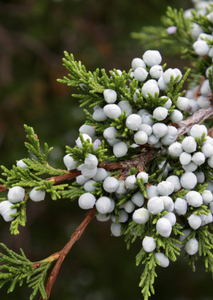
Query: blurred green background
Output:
(33,36)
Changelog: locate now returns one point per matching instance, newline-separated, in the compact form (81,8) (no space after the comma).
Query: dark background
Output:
(33,36)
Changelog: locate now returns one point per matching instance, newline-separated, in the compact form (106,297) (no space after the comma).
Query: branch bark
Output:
(60,256)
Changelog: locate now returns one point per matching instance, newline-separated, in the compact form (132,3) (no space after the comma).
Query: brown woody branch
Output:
(60,256)
(197,118)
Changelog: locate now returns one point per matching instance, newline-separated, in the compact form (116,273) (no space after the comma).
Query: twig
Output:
(60,256)
(198,117)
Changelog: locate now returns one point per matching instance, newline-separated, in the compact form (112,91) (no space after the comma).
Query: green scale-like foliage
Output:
(16,269)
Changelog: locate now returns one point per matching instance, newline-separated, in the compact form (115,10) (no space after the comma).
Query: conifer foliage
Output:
(142,161)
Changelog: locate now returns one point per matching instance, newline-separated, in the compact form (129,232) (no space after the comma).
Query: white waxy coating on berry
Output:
(185,158)
(86,201)
(168,74)
(178,73)
(110,96)
(169,137)
(186,233)
(210,161)
(160,113)
(21,164)
(125,105)
(140,74)
(122,218)
(103,205)
(89,186)
(207,196)
(175,149)
(198,158)
(176,116)
(155,205)
(193,106)
(110,184)
(37,195)
(205,88)
(172,29)
(158,144)
(99,115)
(171,217)
(156,71)
(110,133)
(100,175)
(152,57)
(208,71)
(194,221)
(138,199)
(200,177)
(176,182)
(207,149)
(161,84)
(165,188)
(149,244)
(121,187)
(152,139)
(138,62)
(69,162)
(113,142)
(201,48)
(164,227)
(120,149)
(192,246)
(146,119)
(162,259)
(16,194)
(102,217)
(81,179)
(142,111)
(146,128)
(140,137)
(144,176)
(159,129)
(203,102)
(91,161)
(115,229)
(133,122)
(6,210)
(191,167)
(189,144)
(150,87)
(206,219)
(151,191)
(141,215)
(182,103)
(180,206)
(130,182)
(85,138)
(196,30)
(129,206)
(88,129)
(209,140)
(168,103)
(188,180)
(89,173)
(112,111)
(194,199)
(168,203)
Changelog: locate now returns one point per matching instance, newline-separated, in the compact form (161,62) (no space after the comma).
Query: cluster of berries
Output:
(15,195)
(153,129)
